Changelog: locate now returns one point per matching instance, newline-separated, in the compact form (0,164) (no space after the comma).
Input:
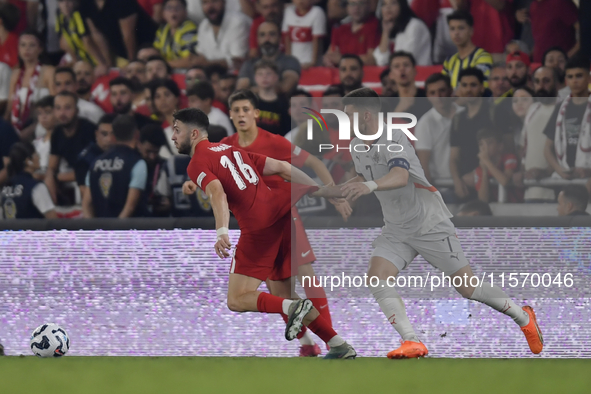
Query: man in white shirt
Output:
(223,36)
(432,130)
(195,9)
(201,96)
(65,80)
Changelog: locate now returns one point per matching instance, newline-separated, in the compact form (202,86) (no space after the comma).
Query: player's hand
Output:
(566,174)
(189,187)
(522,15)
(222,246)
(352,191)
(342,206)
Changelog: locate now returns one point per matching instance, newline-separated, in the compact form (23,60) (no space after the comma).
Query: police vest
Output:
(110,175)
(197,204)
(85,159)
(16,198)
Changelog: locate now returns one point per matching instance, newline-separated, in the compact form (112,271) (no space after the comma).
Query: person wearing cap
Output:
(518,70)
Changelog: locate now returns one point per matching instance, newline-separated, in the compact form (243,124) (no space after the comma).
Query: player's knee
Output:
(234,305)
(465,292)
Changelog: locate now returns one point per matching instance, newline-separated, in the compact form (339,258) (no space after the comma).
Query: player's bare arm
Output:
(331,191)
(287,172)
(189,187)
(396,178)
(219,204)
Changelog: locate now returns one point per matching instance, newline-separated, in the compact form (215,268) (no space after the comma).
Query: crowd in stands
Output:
(88,89)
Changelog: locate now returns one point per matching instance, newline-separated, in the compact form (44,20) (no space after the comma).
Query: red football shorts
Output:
(303,253)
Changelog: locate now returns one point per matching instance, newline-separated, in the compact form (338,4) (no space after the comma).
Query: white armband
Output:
(221,231)
(371,185)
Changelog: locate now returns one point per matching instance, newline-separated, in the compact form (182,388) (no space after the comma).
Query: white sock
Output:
(336,341)
(393,307)
(497,299)
(285,306)
(307,339)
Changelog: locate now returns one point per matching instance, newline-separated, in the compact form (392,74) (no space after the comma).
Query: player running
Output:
(231,178)
(417,222)
(244,112)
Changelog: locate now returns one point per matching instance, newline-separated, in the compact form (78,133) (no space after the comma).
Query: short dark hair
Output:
(194,117)
(244,94)
(479,206)
(122,81)
(553,49)
(18,154)
(525,88)
(183,2)
(215,69)
(471,72)
(124,128)
(578,195)
(67,94)
(164,83)
(65,70)
(9,15)
(203,90)
(461,16)
(403,54)
(578,61)
(107,119)
(364,98)
(228,76)
(160,58)
(264,63)
(485,133)
(334,90)
(154,134)
(385,72)
(437,77)
(44,102)
(351,56)
(301,92)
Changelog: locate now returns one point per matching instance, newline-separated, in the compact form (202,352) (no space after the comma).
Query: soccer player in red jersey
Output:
(232,179)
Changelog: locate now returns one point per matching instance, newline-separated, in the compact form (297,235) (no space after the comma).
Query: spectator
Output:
(522,100)
(227,86)
(495,163)
(273,108)
(223,36)
(118,177)
(533,140)
(64,80)
(402,30)
(176,39)
(516,46)
(389,88)
(151,142)
(523,19)
(201,96)
(475,208)
(350,74)
(288,66)
(518,69)
(461,30)
(121,95)
(299,100)
(29,13)
(214,74)
(153,8)
(563,16)
(46,123)
(433,128)
(69,138)
(196,10)
(157,68)
(465,125)
(24,197)
(9,17)
(8,137)
(434,13)
(569,130)
(166,95)
(194,75)
(493,21)
(135,71)
(556,58)
(304,27)
(269,11)
(403,71)
(75,39)
(146,51)
(572,201)
(85,78)
(29,82)
(182,205)
(498,83)
(104,138)
(358,37)
(5,73)
(119,27)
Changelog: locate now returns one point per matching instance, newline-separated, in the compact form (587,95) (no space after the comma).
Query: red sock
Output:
(269,303)
(318,297)
(304,329)
(321,328)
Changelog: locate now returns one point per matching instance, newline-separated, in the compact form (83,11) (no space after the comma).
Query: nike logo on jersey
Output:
(305,254)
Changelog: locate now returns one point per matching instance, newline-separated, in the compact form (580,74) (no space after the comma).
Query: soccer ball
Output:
(50,340)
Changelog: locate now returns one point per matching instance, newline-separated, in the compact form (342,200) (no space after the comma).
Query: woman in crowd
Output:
(165,95)
(402,31)
(521,101)
(24,197)
(29,82)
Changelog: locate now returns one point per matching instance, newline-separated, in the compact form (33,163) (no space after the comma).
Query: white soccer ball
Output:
(50,340)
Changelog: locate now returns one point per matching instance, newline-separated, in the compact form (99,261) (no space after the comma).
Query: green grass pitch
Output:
(168,375)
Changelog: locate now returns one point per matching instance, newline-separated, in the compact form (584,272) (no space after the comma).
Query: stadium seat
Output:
(180,81)
(316,76)
(423,72)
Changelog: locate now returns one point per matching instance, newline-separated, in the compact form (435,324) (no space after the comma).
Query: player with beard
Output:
(233,180)
(121,95)
(136,72)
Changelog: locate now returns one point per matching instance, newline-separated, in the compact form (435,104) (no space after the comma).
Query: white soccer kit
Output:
(415,216)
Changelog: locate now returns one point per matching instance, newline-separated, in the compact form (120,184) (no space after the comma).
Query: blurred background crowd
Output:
(500,89)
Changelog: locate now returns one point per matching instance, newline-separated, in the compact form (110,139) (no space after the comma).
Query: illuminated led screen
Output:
(162,293)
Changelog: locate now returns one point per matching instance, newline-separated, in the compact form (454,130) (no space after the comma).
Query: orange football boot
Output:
(409,349)
(532,332)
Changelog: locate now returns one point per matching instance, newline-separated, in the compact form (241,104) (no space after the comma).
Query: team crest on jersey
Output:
(105,181)
(9,209)
(219,148)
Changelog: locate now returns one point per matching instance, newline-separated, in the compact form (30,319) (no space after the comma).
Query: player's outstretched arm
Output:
(219,204)
(319,169)
(396,178)
(287,172)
